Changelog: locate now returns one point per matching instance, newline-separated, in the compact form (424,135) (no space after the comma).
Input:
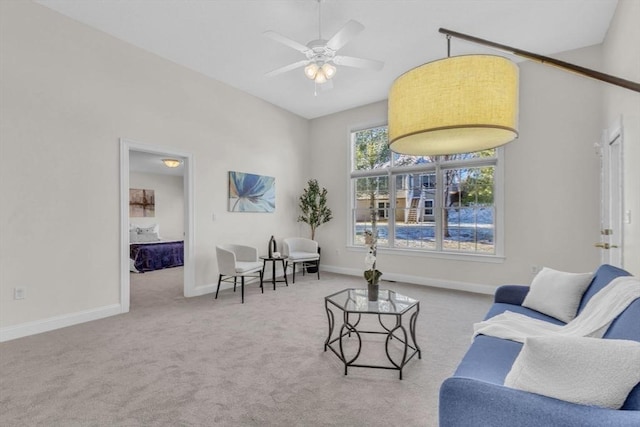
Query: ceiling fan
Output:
(321,55)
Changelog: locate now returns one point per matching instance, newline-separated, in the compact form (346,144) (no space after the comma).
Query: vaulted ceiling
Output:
(224,39)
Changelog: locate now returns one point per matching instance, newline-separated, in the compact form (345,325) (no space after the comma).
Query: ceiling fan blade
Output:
(350,61)
(287,68)
(286,41)
(344,34)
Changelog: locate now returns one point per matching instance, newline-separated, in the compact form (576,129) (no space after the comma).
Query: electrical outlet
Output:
(19,293)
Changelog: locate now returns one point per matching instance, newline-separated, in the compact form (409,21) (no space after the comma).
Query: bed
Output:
(149,252)
(156,255)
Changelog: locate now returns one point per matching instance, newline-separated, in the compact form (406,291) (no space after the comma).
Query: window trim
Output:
(392,171)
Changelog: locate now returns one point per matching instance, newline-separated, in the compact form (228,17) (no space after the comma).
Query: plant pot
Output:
(372,291)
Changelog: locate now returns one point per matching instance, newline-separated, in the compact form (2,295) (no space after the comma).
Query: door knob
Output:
(605,245)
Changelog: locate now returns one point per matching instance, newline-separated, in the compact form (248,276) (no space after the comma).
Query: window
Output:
(428,207)
(383,209)
(435,203)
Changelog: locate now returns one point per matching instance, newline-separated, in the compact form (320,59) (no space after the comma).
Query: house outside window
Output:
(437,204)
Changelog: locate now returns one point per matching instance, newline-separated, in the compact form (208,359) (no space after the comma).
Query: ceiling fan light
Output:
(329,70)
(321,77)
(311,70)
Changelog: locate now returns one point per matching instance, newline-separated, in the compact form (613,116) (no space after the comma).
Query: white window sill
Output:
(494,259)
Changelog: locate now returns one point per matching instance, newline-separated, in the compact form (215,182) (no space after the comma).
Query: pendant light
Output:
(454,105)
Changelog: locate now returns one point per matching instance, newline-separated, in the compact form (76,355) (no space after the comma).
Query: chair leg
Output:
(318,268)
(219,280)
(294,272)
(235,280)
(261,277)
(242,288)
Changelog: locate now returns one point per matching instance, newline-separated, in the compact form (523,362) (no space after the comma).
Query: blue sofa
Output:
(475,394)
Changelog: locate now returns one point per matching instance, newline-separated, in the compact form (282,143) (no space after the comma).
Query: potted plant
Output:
(315,212)
(313,204)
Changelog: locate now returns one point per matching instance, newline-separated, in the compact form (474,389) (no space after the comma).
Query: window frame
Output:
(393,171)
(431,208)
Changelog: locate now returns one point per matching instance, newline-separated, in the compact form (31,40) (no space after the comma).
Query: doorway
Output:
(126,148)
(612,197)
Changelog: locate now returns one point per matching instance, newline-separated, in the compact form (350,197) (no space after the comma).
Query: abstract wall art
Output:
(142,203)
(251,193)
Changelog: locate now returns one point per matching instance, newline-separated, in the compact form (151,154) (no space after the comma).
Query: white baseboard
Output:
(206,289)
(45,325)
(478,288)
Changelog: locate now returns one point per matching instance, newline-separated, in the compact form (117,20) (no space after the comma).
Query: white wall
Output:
(622,59)
(551,188)
(169,199)
(68,93)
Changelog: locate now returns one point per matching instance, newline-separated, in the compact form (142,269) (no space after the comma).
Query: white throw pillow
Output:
(556,293)
(150,229)
(588,371)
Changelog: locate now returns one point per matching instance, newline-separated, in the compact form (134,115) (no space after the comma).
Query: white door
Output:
(612,198)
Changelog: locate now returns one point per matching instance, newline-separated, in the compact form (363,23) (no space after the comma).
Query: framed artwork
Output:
(251,193)
(142,203)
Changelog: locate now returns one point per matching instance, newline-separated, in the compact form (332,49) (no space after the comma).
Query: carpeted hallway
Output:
(173,361)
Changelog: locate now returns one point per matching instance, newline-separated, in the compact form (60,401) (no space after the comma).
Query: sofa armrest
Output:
(465,402)
(511,294)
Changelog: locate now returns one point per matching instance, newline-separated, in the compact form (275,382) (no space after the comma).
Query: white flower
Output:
(369,261)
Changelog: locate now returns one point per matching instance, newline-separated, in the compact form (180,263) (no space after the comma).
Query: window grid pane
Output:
(468,212)
(370,149)
(371,204)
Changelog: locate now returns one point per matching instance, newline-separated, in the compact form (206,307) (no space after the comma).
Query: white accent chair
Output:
(301,251)
(238,261)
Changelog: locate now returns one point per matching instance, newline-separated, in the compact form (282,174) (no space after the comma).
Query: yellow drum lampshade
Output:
(460,104)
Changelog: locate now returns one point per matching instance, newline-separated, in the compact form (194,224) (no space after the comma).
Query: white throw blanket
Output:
(593,321)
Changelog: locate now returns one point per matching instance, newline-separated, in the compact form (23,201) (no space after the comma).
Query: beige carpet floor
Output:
(175,361)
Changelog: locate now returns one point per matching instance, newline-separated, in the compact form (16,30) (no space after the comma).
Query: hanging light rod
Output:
(627,84)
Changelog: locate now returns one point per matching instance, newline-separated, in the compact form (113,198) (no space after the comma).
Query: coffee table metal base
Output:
(409,347)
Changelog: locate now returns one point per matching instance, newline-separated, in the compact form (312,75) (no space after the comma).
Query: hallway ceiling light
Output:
(172,163)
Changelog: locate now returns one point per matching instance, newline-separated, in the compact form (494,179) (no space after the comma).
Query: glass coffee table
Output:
(351,305)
